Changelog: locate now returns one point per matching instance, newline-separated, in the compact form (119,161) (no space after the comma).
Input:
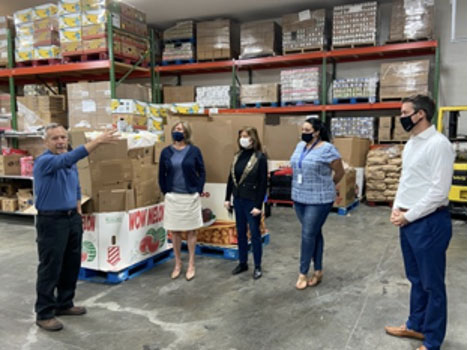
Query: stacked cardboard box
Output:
(346,189)
(411,20)
(214,96)
(35,112)
(300,85)
(90,103)
(184,30)
(353,126)
(403,79)
(304,30)
(39,89)
(260,39)
(36,33)
(355,88)
(5,111)
(382,173)
(6,23)
(177,94)
(355,24)
(70,20)
(129,114)
(128,18)
(390,129)
(353,150)
(118,179)
(218,39)
(178,51)
(259,93)
(10,164)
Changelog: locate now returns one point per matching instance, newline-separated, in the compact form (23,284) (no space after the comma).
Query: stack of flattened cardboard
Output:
(217,39)
(403,79)
(260,38)
(37,111)
(259,93)
(390,129)
(177,94)
(411,20)
(118,179)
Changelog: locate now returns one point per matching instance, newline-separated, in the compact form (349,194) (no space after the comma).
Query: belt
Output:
(57,212)
(442,207)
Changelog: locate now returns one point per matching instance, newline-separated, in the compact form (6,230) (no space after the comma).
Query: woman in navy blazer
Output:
(181,179)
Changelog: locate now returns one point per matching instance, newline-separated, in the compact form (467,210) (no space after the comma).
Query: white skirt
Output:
(182,211)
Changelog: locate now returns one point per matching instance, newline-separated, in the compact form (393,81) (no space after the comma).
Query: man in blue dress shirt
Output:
(58,224)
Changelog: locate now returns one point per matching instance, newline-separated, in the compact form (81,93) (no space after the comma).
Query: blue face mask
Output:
(177,136)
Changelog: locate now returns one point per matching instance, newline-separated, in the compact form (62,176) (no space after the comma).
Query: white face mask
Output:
(245,142)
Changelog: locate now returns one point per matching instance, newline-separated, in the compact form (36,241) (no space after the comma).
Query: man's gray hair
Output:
(50,127)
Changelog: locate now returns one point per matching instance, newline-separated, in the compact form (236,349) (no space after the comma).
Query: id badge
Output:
(299,178)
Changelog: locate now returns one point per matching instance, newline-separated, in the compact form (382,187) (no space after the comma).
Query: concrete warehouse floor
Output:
(364,289)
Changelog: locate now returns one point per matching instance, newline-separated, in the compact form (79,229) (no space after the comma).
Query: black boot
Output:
(240,268)
(257,273)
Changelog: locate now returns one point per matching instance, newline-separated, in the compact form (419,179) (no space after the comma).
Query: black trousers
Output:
(59,249)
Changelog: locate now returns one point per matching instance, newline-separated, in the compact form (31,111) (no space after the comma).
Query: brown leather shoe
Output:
(73,311)
(316,279)
(402,331)
(51,325)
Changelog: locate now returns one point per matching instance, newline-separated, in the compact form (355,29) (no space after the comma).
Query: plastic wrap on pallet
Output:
(217,39)
(402,79)
(47,52)
(23,16)
(44,11)
(260,38)
(259,93)
(69,6)
(353,126)
(382,173)
(178,51)
(91,17)
(355,24)
(70,20)
(355,87)
(305,29)
(300,85)
(214,96)
(412,20)
(180,31)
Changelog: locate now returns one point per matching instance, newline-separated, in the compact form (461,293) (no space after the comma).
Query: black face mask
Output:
(407,123)
(307,137)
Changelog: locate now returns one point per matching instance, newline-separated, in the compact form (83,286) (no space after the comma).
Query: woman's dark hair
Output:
(320,127)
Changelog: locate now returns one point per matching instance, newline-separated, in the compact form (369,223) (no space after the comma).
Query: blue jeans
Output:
(423,244)
(312,218)
(243,207)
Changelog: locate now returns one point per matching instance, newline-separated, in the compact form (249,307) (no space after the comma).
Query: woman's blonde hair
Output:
(252,132)
(187,131)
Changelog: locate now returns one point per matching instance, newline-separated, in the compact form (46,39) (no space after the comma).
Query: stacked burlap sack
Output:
(383,169)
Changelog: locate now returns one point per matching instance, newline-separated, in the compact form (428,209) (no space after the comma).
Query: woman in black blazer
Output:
(247,183)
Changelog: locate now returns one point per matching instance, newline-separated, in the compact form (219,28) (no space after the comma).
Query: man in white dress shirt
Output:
(420,211)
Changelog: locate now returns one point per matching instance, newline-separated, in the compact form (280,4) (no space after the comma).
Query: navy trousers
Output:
(423,244)
(243,207)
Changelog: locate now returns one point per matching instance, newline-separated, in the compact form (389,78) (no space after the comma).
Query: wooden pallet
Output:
(37,63)
(354,100)
(303,50)
(352,46)
(379,203)
(222,252)
(130,272)
(214,59)
(300,103)
(391,99)
(345,210)
(180,41)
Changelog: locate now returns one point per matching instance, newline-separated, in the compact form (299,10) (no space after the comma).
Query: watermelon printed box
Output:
(115,241)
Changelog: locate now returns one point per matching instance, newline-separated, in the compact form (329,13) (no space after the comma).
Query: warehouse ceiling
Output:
(164,13)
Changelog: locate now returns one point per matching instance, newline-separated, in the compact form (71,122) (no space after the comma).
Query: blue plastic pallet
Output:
(180,41)
(354,100)
(222,252)
(299,103)
(130,272)
(347,209)
(178,62)
(260,104)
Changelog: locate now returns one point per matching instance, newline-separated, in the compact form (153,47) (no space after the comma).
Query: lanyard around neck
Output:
(305,152)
